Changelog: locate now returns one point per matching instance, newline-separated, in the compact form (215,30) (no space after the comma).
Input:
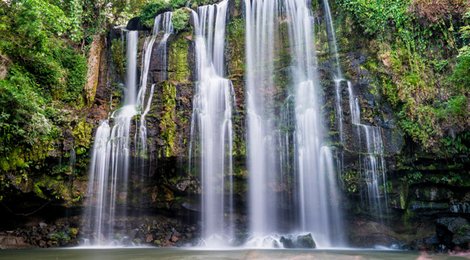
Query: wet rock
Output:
(287,242)
(174,238)
(300,241)
(454,225)
(463,207)
(451,232)
(305,241)
(433,194)
(149,238)
(366,233)
(135,24)
(429,208)
(9,241)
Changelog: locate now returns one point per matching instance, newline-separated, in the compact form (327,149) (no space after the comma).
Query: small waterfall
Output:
(162,24)
(370,137)
(372,159)
(109,169)
(212,119)
(338,74)
(132,39)
(111,158)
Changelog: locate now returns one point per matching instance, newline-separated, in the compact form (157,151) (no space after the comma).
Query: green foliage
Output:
(461,75)
(26,133)
(75,66)
(118,56)
(45,79)
(351,181)
(180,19)
(155,7)
(429,101)
(374,16)
(459,144)
(82,134)
(151,9)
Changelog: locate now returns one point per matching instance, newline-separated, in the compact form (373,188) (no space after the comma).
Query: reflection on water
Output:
(153,253)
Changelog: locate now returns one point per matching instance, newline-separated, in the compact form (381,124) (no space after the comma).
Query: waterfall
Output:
(212,119)
(261,30)
(111,157)
(314,173)
(338,74)
(373,166)
(109,169)
(370,137)
(318,194)
(162,24)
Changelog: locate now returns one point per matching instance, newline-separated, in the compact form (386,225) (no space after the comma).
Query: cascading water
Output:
(372,160)
(373,163)
(317,188)
(315,175)
(109,168)
(338,74)
(110,162)
(162,24)
(261,30)
(212,118)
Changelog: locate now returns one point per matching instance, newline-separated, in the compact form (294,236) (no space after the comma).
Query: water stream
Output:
(212,119)
(315,175)
(369,137)
(111,158)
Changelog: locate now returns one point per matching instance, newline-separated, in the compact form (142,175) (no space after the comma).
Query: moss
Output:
(57,188)
(82,135)
(167,123)
(178,67)
(118,56)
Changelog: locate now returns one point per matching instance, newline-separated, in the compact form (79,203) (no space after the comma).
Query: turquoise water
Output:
(153,253)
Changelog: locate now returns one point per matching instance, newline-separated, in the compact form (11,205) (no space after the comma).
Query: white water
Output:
(261,30)
(373,166)
(314,172)
(317,188)
(212,119)
(111,158)
(162,24)
(338,74)
(109,169)
(131,67)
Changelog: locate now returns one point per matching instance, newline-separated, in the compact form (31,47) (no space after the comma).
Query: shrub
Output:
(150,10)
(180,19)
(432,11)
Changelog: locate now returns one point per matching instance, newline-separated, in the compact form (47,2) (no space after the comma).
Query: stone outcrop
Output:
(94,61)
(4,63)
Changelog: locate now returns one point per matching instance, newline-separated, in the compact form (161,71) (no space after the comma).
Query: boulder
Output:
(300,241)
(453,231)
(9,241)
(305,241)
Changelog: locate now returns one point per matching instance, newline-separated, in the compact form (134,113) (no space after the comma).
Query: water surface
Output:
(153,253)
